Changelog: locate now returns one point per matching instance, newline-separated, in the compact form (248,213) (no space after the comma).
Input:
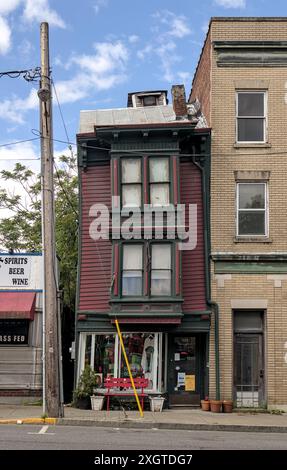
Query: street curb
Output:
(132,424)
(174,426)
(29,421)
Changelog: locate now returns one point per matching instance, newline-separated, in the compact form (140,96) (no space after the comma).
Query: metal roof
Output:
(125,116)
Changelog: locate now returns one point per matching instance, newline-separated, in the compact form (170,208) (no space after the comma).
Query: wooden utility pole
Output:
(51,393)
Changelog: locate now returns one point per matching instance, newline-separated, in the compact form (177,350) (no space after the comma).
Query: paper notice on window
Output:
(181,379)
(190,383)
(177,357)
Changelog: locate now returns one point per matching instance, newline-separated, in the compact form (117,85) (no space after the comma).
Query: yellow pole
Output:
(128,366)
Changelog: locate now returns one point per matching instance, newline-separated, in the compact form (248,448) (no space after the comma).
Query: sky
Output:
(100,50)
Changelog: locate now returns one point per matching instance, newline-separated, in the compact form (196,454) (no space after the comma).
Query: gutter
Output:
(205,173)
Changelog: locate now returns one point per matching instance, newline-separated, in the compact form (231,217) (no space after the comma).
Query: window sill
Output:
(238,145)
(252,240)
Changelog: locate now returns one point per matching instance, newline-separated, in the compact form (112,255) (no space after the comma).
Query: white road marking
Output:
(43,430)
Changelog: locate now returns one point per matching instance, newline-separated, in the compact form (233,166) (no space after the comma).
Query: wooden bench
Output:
(123,387)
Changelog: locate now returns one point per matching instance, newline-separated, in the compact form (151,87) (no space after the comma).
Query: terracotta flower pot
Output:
(205,405)
(215,406)
(227,406)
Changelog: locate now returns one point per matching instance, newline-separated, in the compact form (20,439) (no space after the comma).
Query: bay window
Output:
(103,353)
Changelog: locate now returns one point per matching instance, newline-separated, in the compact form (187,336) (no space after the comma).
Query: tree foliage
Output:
(21,231)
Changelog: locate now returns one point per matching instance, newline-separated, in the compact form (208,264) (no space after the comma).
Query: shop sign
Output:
(13,332)
(20,271)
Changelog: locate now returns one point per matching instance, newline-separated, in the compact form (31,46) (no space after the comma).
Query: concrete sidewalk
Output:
(168,419)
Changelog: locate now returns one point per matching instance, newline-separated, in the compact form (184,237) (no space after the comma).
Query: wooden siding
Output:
(193,280)
(96,257)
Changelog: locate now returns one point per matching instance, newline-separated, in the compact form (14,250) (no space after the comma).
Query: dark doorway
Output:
(185,369)
(248,359)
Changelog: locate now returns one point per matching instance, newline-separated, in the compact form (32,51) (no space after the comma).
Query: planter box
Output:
(156,403)
(97,402)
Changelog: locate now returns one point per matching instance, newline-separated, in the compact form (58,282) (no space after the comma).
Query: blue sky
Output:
(100,50)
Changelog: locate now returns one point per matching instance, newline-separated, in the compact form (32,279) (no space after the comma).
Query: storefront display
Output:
(143,350)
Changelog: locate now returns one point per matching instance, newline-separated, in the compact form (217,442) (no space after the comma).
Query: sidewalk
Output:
(168,419)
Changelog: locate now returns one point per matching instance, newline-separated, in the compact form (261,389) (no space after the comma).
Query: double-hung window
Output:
(131,182)
(251,116)
(132,273)
(158,269)
(161,269)
(252,216)
(159,181)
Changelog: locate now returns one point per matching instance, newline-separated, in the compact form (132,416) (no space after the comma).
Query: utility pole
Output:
(51,382)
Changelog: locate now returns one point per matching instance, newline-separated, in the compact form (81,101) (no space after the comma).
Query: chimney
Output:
(179,101)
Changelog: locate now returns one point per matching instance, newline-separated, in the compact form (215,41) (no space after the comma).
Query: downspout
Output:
(214,306)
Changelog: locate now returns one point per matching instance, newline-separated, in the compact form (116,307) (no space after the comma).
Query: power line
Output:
(30,75)
(18,142)
(64,191)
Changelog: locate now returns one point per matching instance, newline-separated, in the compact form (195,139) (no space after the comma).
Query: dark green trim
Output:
(151,314)
(249,267)
(204,164)
(78,272)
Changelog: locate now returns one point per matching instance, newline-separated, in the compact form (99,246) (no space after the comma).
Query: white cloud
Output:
(133,38)
(9,156)
(169,29)
(15,108)
(99,4)
(100,71)
(177,25)
(25,48)
(39,10)
(7,6)
(5,36)
(231,3)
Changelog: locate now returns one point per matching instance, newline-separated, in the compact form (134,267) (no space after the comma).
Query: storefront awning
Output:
(17,305)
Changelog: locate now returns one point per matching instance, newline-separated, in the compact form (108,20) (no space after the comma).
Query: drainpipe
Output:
(214,306)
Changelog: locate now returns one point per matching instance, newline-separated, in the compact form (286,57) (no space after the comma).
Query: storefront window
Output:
(88,350)
(104,357)
(103,353)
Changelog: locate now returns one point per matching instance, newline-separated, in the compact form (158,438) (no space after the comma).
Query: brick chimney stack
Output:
(179,101)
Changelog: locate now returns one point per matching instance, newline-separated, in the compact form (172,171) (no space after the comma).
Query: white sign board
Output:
(21,271)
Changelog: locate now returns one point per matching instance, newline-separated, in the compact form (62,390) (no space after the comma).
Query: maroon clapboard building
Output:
(153,156)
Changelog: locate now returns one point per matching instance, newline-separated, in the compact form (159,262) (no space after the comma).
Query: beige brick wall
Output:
(248,287)
(225,160)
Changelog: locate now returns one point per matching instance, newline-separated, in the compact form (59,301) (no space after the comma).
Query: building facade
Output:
(151,160)
(241,83)
(21,317)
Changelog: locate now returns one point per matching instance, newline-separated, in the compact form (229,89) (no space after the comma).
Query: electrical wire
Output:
(62,117)
(65,192)
(18,142)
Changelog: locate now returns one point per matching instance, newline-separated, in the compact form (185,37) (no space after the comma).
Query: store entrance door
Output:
(184,378)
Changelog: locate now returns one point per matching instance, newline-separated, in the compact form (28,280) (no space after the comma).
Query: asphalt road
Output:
(30,437)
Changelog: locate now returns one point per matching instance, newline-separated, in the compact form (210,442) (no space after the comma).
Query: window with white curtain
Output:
(132,269)
(159,179)
(161,269)
(131,179)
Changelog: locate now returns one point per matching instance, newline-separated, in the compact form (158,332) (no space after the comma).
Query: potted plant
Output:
(227,406)
(215,406)
(156,403)
(84,389)
(205,404)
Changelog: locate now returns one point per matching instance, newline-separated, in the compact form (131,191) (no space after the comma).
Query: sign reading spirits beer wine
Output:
(21,271)
(13,332)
